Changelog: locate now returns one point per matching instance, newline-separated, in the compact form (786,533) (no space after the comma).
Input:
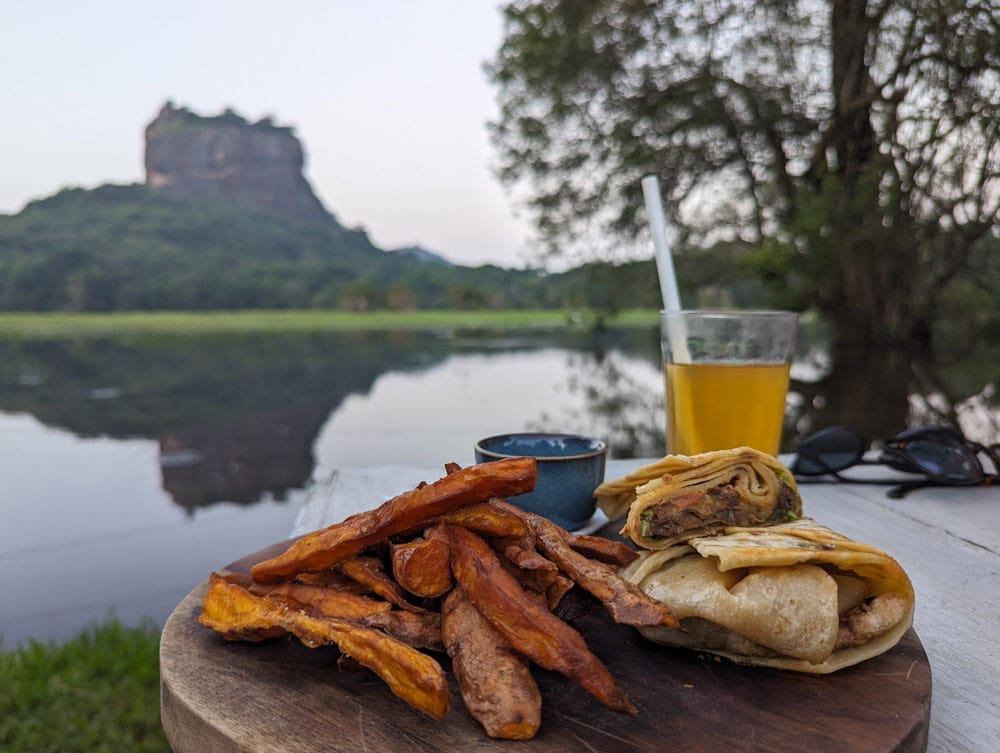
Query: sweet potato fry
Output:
(369,571)
(531,629)
(323,601)
(332,578)
(627,603)
(495,682)
(405,512)
(522,553)
(576,604)
(488,518)
(612,552)
(417,629)
(557,590)
(529,568)
(415,677)
(232,612)
(421,566)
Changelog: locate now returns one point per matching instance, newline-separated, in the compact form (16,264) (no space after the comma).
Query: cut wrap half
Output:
(688,495)
(794,596)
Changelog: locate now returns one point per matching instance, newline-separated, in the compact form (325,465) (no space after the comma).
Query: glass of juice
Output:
(726,377)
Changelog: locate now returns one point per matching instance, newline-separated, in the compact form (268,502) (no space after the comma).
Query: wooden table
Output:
(947,539)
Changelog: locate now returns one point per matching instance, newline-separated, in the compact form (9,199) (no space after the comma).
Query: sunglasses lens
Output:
(832,449)
(948,460)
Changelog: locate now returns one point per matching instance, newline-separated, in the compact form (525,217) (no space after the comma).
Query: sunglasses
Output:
(938,453)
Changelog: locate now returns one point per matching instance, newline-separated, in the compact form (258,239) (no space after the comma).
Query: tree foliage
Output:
(855,144)
(128,248)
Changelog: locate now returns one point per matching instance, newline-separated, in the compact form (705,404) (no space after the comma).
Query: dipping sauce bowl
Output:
(570,467)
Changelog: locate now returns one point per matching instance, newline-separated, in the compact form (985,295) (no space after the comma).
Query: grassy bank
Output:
(98,693)
(58,324)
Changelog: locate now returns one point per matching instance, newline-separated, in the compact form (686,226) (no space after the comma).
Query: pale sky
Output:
(388,98)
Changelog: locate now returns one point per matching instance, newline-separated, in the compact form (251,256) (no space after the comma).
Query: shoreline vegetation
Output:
(97,692)
(61,324)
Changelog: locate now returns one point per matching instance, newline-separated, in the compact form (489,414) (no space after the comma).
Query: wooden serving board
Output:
(220,697)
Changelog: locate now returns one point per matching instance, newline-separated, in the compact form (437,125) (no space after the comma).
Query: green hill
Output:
(128,248)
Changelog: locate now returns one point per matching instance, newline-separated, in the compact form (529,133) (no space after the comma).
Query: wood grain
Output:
(219,697)
(948,541)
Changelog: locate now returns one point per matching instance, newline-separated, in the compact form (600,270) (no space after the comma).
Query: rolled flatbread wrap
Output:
(688,495)
(794,596)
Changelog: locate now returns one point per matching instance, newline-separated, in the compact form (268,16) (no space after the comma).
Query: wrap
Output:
(682,496)
(795,596)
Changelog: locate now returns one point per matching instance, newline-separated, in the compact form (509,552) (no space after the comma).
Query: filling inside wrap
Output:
(683,496)
(672,511)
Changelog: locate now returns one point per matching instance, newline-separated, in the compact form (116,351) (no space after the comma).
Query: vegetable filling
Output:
(719,505)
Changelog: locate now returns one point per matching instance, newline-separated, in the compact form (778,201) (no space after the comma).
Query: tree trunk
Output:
(853,137)
(867,389)
(879,275)
(872,255)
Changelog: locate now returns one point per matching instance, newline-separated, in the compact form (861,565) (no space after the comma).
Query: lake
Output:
(133,466)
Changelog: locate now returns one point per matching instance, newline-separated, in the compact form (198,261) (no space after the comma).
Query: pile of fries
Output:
(448,567)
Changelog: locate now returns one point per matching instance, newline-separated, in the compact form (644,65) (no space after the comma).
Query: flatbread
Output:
(795,596)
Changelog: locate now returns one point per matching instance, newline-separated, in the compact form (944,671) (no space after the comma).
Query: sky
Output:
(389,99)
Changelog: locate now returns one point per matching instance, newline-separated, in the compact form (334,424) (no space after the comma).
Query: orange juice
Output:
(718,406)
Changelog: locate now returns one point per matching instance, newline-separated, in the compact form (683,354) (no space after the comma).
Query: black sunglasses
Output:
(938,453)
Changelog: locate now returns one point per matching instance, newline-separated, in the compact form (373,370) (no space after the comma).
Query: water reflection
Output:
(882,391)
(235,417)
(622,402)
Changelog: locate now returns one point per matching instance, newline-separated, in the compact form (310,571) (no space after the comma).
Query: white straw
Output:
(665,267)
(664,259)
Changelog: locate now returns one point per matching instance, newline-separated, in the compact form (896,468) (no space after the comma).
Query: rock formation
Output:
(227,158)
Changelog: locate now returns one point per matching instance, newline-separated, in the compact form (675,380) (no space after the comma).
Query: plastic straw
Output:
(664,259)
(665,265)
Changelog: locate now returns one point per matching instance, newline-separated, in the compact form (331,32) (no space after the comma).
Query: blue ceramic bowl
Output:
(570,467)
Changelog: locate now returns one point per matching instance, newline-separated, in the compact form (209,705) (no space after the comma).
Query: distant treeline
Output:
(128,248)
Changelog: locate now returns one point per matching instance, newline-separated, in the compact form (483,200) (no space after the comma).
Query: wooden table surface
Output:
(947,539)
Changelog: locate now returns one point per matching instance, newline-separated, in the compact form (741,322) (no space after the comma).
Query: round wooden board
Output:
(221,697)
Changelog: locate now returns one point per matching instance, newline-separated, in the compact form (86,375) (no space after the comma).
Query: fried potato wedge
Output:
(627,604)
(525,621)
(422,566)
(489,518)
(332,578)
(235,614)
(322,600)
(413,676)
(554,594)
(612,552)
(495,681)
(370,572)
(417,629)
(405,512)
(534,568)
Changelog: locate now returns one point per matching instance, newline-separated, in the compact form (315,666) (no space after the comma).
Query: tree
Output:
(400,297)
(853,144)
(360,296)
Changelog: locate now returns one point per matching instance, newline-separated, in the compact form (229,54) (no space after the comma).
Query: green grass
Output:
(58,324)
(97,693)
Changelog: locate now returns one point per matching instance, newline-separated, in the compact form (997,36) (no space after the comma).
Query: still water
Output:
(130,468)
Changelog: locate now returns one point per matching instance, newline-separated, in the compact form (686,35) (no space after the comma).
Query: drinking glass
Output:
(726,378)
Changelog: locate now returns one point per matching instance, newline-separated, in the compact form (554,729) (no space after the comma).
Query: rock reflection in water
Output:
(235,416)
